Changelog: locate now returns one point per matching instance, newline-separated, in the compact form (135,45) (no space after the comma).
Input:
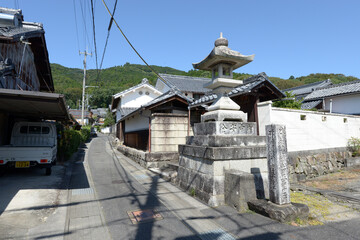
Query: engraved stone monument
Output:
(279,207)
(279,187)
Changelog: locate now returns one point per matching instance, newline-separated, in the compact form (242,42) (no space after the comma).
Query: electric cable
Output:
(86,34)
(93,22)
(112,17)
(107,39)
(77,32)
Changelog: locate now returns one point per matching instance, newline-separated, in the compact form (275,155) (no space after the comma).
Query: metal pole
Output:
(83,90)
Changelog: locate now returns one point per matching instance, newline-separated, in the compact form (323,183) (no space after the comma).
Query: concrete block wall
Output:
(168,130)
(310,130)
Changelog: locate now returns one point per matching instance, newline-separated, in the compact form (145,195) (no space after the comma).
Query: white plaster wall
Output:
(318,131)
(137,122)
(134,99)
(346,104)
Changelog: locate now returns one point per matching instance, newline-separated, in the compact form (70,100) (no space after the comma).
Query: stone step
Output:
(225,128)
(223,153)
(226,141)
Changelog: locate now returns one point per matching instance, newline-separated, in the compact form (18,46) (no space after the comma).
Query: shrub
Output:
(69,142)
(288,102)
(354,146)
(85,133)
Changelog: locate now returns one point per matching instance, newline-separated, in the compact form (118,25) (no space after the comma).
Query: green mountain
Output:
(109,81)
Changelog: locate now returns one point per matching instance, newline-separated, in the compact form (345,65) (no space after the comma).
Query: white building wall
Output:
(308,130)
(346,104)
(137,122)
(135,99)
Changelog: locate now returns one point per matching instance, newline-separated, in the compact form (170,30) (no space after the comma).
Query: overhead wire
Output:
(93,23)
(86,35)
(128,41)
(77,32)
(107,39)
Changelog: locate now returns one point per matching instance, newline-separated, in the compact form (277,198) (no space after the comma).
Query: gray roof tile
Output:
(311,104)
(27,30)
(338,89)
(143,83)
(246,87)
(186,83)
(308,88)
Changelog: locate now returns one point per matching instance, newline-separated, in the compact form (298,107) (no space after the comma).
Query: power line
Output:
(112,17)
(93,22)
(77,32)
(86,35)
(107,38)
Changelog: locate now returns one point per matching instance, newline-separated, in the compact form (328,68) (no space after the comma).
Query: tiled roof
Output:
(27,30)
(308,88)
(310,104)
(338,89)
(163,97)
(126,110)
(186,83)
(246,87)
(143,83)
(100,111)
(77,113)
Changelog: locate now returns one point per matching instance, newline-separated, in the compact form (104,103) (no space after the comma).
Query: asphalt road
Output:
(119,193)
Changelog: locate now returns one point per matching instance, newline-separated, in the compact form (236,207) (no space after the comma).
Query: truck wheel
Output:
(48,171)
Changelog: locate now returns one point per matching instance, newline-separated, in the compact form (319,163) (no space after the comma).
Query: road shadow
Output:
(15,180)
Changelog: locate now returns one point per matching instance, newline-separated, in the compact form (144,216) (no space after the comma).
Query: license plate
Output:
(22,164)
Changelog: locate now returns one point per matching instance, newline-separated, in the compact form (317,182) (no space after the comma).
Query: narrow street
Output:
(104,195)
(99,204)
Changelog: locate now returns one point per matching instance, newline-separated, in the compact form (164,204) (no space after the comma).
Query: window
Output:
(302,117)
(323,118)
(34,129)
(147,93)
(345,120)
(141,92)
(24,129)
(45,130)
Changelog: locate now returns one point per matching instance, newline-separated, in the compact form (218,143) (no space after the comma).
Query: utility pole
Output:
(83,90)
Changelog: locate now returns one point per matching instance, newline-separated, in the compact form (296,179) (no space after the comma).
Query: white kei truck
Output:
(32,144)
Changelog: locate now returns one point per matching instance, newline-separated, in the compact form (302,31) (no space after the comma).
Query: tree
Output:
(109,119)
(288,102)
(291,77)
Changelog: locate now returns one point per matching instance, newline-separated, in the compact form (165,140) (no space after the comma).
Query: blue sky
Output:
(289,37)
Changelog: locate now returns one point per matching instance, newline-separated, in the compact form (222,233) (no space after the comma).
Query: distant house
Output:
(301,92)
(76,113)
(26,84)
(131,99)
(192,87)
(340,98)
(99,114)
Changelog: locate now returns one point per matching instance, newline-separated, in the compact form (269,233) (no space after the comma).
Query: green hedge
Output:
(71,140)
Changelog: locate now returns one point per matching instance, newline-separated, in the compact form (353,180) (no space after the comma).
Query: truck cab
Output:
(32,144)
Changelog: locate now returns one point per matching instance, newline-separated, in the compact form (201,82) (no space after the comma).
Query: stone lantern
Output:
(222,61)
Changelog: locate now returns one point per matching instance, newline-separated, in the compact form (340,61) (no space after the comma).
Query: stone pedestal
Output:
(216,147)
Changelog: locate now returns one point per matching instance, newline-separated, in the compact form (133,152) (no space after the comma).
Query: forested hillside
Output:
(68,81)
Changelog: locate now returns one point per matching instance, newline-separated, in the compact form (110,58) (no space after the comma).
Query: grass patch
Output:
(318,205)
